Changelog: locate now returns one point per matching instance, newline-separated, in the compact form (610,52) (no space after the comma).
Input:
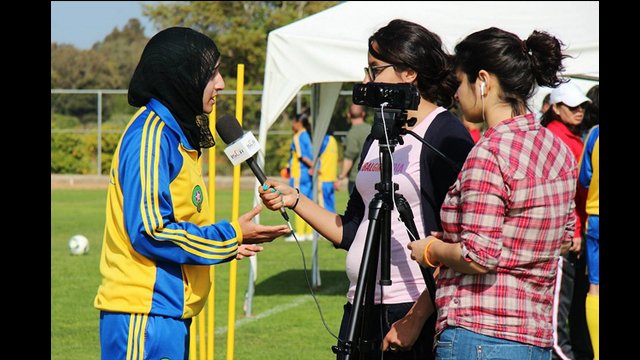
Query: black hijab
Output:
(175,67)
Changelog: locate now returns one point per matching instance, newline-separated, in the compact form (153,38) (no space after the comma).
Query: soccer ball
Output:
(78,245)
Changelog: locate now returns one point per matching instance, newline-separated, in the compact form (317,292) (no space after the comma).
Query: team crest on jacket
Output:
(197,197)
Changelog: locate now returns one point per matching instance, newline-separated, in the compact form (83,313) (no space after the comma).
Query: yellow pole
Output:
(235,213)
(205,337)
(201,334)
(192,339)
(212,205)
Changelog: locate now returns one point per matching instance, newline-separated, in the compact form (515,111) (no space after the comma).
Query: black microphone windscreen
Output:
(229,129)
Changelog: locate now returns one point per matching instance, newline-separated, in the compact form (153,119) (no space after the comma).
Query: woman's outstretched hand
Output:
(253,233)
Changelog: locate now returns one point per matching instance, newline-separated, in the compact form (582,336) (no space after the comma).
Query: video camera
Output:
(393,115)
(403,96)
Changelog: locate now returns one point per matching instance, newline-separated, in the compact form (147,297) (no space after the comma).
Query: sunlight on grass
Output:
(284,320)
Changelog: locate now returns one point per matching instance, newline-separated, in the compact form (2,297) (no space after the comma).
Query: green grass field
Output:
(285,322)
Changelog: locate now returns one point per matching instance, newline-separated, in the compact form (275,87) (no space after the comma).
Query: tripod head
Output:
(392,121)
(391,102)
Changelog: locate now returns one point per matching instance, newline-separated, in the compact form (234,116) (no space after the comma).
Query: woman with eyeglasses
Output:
(400,52)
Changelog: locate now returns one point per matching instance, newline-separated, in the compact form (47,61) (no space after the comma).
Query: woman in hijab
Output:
(159,231)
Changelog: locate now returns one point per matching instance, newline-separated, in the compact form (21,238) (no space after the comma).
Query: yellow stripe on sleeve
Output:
(183,235)
(149,146)
(143,175)
(227,254)
(156,151)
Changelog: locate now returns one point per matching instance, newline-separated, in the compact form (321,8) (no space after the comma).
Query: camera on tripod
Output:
(403,96)
(393,100)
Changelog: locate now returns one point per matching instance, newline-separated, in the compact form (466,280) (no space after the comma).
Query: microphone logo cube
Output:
(242,149)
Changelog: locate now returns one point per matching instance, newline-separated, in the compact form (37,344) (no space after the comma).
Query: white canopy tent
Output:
(330,47)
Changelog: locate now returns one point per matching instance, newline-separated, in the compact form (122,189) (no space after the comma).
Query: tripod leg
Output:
(406,215)
(355,345)
(367,344)
(385,245)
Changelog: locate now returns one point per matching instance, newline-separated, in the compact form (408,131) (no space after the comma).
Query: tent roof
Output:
(331,46)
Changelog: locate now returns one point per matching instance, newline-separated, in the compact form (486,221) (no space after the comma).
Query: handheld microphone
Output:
(241,146)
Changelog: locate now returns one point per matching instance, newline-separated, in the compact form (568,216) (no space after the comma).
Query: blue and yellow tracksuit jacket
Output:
(159,237)
(328,159)
(589,175)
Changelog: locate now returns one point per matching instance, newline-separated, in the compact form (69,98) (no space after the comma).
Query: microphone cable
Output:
(306,277)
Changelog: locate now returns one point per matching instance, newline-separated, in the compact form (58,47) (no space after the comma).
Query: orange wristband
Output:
(426,254)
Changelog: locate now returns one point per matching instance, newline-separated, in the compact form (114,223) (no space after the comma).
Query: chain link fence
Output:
(86,126)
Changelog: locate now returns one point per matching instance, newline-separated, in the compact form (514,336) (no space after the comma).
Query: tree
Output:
(239,28)
(81,69)
(72,68)
(123,48)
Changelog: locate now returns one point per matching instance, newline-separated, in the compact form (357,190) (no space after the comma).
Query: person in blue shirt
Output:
(589,178)
(300,163)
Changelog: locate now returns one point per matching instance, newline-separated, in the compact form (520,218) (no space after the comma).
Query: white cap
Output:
(569,94)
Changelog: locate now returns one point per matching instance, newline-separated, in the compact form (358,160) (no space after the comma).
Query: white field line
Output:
(274,310)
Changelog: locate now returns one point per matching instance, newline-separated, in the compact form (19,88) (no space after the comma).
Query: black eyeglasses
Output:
(373,71)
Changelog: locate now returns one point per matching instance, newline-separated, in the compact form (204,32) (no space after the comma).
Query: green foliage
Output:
(84,107)
(239,28)
(108,65)
(68,155)
(278,149)
(111,134)
(118,109)
(74,151)
(81,69)
(59,121)
(72,68)
(123,48)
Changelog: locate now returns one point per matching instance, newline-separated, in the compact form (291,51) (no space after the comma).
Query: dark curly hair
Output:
(407,45)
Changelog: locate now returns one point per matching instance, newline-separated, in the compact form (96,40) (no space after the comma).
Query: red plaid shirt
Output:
(510,209)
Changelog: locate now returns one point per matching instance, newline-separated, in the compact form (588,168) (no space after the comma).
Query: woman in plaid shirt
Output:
(509,211)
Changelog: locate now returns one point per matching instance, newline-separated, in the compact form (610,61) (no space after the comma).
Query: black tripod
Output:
(359,342)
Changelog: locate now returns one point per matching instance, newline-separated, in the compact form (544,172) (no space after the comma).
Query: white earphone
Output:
(482,86)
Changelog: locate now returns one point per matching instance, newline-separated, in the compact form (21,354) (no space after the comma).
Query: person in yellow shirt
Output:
(328,172)
(300,163)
